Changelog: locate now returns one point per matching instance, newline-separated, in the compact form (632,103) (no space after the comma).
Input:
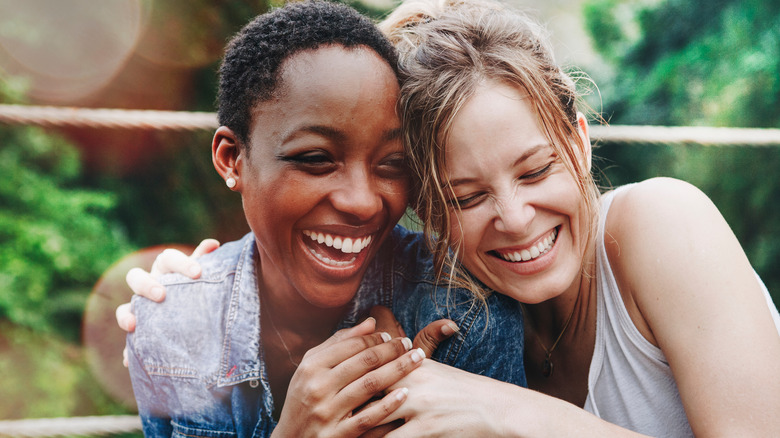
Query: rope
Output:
(48,116)
(51,117)
(41,427)
(685,134)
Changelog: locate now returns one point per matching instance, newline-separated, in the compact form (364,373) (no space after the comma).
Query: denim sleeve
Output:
(490,340)
(154,424)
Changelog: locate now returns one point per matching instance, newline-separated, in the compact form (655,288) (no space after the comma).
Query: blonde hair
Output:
(447,48)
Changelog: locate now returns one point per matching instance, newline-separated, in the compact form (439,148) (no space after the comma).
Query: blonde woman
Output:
(641,306)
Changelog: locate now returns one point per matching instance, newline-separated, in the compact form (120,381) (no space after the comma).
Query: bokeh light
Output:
(68,49)
(103,339)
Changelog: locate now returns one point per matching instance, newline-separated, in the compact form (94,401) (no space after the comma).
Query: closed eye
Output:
(537,174)
(468,201)
(316,162)
(393,166)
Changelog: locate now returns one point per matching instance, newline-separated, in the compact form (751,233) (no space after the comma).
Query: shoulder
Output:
(657,199)
(403,242)
(188,326)
(216,265)
(658,216)
(407,255)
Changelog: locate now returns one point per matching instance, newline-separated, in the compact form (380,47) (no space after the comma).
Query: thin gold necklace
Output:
(547,365)
(279,335)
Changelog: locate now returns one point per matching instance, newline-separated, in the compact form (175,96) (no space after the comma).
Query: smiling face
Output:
(523,224)
(323,181)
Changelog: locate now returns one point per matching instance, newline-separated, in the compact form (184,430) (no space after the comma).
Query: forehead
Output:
(331,68)
(497,118)
(349,90)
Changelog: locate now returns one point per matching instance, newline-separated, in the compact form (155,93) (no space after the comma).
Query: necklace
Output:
(281,339)
(547,366)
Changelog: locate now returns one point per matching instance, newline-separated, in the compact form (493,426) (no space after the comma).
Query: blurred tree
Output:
(56,237)
(698,62)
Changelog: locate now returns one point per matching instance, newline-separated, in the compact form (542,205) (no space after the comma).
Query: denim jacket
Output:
(196,359)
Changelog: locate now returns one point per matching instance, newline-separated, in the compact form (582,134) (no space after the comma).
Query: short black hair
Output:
(250,70)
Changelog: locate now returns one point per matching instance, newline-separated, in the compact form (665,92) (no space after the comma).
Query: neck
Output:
(548,318)
(290,314)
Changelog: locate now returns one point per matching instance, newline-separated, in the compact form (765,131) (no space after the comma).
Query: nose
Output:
(358,195)
(513,214)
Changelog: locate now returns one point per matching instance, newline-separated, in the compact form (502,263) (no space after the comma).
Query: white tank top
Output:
(630,383)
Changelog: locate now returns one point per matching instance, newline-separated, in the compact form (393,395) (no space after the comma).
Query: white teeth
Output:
(347,245)
(330,261)
(532,252)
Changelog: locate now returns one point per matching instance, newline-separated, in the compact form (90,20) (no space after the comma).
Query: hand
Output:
(428,339)
(329,391)
(145,284)
(446,401)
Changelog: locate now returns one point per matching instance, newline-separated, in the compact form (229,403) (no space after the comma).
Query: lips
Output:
(532,252)
(334,250)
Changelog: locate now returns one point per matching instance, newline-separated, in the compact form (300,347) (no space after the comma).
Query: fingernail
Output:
(418,355)
(156,292)
(400,395)
(194,270)
(407,343)
(385,336)
(449,329)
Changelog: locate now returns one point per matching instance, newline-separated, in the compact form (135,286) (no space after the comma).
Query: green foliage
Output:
(698,62)
(692,62)
(45,377)
(55,238)
(174,195)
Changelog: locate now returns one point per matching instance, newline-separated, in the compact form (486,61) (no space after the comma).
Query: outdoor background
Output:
(76,205)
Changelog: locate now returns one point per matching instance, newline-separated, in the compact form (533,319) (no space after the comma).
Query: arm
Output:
(154,424)
(692,292)
(446,401)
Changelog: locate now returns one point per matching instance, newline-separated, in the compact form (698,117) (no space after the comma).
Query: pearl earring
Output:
(231,182)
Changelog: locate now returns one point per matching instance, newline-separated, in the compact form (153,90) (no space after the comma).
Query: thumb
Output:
(386,322)
(434,334)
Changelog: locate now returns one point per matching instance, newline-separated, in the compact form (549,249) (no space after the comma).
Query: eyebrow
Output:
(335,134)
(526,155)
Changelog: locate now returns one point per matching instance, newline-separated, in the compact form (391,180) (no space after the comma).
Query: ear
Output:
(226,155)
(582,129)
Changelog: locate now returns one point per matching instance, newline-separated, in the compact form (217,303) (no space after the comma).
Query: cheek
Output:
(396,196)
(466,235)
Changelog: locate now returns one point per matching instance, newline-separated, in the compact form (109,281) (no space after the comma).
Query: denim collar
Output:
(241,355)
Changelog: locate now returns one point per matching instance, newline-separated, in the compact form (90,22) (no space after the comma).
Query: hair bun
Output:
(410,14)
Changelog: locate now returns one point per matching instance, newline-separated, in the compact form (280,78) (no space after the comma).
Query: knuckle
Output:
(364,422)
(399,346)
(370,358)
(402,367)
(364,342)
(320,414)
(168,253)
(371,384)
